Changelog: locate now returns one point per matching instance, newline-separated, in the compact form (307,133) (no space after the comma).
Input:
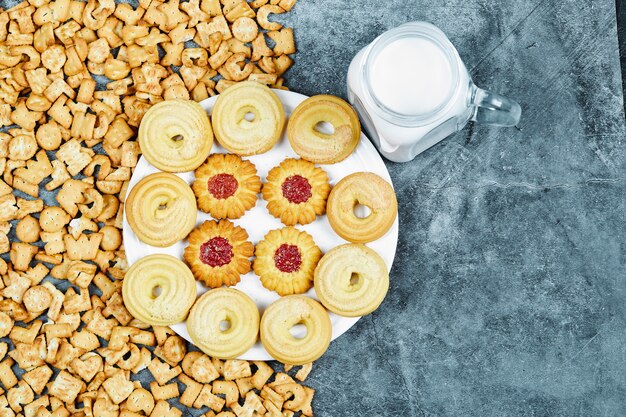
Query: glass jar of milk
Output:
(411,90)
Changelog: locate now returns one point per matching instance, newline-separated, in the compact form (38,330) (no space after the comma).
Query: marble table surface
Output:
(508,291)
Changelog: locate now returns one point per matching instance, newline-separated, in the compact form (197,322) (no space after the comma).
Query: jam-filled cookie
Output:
(286,260)
(218,253)
(296,191)
(226,186)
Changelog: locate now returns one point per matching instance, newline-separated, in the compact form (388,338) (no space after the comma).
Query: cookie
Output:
(279,319)
(218,253)
(224,323)
(296,191)
(314,145)
(351,280)
(176,135)
(248,118)
(159,290)
(286,260)
(366,189)
(226,186)
(161,209)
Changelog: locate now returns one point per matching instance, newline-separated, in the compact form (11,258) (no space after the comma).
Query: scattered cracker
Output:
(49,52)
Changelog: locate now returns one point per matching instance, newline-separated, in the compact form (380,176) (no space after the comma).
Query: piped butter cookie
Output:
(296,191)
(176,135)
(218,253)
(285,261)
(226,186)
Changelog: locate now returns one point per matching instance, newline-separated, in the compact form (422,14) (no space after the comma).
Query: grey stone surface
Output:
(507,295)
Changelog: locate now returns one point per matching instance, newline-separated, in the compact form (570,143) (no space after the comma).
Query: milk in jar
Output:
(411,90)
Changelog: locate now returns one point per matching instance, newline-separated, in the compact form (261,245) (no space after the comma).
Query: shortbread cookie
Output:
(286,260)
(218,253)
(176,135)
(351,280)
(369,190)
(226,186)
(315,146)
(161,209)
(287,312)
(224,323)
(248,118)
(296,191)
(159,290)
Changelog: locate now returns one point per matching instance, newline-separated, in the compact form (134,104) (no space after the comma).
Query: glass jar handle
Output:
(494,109)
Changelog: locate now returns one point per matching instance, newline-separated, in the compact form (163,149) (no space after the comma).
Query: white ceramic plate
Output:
(258,221)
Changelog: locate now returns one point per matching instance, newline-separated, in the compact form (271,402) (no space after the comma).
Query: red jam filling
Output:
(296,189)
(216,252)
(222,186)
(287,258)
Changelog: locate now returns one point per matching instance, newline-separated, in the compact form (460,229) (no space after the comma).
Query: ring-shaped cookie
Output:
(226,307)
(232,128)
(287,312)
(159,290)
(161,209)
(176,135)
(367,189)
(351,280)
(315,146)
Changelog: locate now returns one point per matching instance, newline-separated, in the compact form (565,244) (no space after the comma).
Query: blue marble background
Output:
(508,289)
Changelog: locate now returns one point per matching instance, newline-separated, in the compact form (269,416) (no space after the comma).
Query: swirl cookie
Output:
(367,189)
(315,146)
(159,290)
(218,253)
(296,191)
(226,186)
(286,260)
(351,280)
(287,312)
(239,133)
(176,135)
(161,209)
(224,323)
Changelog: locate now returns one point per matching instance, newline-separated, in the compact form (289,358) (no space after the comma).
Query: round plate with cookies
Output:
(260,224)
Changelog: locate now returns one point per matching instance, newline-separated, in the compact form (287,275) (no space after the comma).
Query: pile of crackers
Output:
(76,78)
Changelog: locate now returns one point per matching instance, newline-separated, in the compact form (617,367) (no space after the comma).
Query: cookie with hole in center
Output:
(365,189)
(159,290)
(218,253)
(316,144)
(286,260)
(351,280)
(161,209)
(226,186)
(282,316)
(176,135)
(224,323)
(296,191)
(248,118)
